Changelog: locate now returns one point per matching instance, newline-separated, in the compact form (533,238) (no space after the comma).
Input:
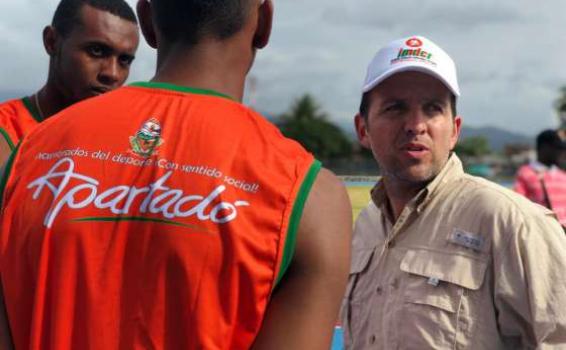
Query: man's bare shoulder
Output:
(327,198)
(317,276)
(326,224)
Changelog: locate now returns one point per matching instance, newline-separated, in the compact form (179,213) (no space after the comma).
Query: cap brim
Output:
(410,68)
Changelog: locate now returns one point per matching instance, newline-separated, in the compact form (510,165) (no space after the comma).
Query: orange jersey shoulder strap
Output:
(17,118)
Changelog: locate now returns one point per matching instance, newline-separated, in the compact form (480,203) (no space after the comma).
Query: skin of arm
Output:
(304,308)
(5,151)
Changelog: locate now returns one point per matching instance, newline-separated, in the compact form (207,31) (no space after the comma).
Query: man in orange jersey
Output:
(91,44)
(167,215)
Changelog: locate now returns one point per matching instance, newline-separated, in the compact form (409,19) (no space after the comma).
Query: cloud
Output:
(432,15)
(509,53)
(509,71)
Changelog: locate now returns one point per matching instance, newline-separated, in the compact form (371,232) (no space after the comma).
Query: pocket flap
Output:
(360,260)
(457,269)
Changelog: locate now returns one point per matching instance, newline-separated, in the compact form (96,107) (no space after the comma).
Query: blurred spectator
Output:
(542,180)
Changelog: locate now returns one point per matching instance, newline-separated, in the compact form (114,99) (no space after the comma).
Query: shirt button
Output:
(390,244)
(395,284)
(372,339)
(379,290)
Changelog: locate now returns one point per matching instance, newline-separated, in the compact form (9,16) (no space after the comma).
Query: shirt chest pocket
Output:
(358,289)
(439,292)
(355,313)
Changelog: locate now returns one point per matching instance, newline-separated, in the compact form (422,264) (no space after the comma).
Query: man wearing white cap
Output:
(442,259)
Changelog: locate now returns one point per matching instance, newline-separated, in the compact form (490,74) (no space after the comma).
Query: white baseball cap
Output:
(414,53)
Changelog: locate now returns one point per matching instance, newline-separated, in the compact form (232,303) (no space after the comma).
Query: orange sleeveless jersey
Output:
(152,217)
(17,118)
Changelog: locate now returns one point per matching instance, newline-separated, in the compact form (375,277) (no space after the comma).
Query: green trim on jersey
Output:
(9,141)
(178,88)
(6,173)
(31,109)
(137,218)
(296,214)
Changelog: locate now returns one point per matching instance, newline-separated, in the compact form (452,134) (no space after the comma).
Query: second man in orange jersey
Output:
(91,44)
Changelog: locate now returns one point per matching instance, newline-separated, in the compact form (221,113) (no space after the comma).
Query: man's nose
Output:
(110,71)
(415,122)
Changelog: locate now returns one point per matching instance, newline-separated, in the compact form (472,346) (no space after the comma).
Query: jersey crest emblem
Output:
(147,140)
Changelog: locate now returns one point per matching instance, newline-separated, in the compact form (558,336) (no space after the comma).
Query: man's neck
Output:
(49,101)
(213,65)
(399,194)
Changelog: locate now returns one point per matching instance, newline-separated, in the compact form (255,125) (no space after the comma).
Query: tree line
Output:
(308,124)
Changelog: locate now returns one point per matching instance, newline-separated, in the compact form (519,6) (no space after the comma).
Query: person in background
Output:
(91,45)
(442,259)
(168,215)
(543,181)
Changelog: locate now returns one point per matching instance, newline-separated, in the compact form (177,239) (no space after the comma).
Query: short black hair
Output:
(364,105)
(188,21)
(67,14)
(550,138)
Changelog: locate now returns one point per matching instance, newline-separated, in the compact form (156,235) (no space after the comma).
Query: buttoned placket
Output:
(409,214)
(380,290)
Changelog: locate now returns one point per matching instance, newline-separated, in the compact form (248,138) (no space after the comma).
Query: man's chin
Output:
(91,93)
(84,96)
(416,176)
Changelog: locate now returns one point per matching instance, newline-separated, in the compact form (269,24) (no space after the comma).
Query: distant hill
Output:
(497,137)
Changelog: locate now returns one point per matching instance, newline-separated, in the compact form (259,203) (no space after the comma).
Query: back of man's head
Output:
(550,138)
(549,147)
(188,21)
(67,14)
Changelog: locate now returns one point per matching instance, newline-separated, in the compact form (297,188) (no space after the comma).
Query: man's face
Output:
(95,57)
(410,128)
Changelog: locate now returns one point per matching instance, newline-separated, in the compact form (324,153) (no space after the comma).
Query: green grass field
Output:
(359,195)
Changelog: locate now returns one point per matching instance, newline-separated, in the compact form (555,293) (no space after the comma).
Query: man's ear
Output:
(144,11)
(360,124)
(264,24)
(50,40)
(457,127)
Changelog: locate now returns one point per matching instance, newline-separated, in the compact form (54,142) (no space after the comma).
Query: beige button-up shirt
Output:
(467,265)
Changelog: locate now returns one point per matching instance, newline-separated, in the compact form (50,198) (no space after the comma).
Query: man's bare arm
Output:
(5,150)
(304,309)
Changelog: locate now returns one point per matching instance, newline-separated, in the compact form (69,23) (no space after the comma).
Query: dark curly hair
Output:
(67,14)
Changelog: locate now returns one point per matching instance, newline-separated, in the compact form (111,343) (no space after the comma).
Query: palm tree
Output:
(308,125)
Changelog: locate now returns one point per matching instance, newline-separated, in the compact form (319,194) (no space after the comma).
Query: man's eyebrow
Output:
(436,100)
(128,56)
(392,100)
(111,49)
(97,42)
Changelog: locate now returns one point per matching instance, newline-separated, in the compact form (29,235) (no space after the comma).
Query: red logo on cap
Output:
(414,42)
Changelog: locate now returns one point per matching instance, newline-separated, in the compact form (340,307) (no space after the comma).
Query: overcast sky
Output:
(510,54)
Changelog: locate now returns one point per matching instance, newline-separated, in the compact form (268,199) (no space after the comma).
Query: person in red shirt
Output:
(91,45)
(167,215)
(543,181)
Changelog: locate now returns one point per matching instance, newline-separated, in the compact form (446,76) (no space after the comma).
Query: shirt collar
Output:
(451,170)
(541,168)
